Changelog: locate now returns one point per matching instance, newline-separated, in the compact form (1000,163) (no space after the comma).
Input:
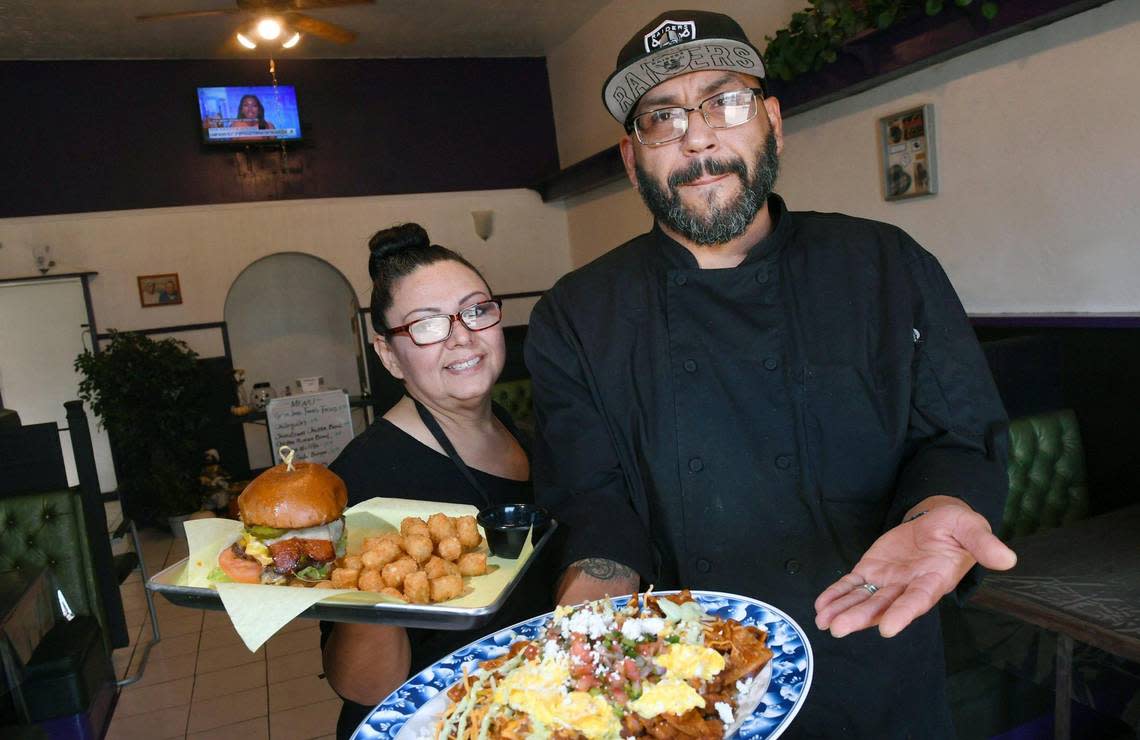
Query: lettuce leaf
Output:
(314,572)
(217,575)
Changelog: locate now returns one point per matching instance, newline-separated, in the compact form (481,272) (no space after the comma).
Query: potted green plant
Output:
(151,397)
(815,35)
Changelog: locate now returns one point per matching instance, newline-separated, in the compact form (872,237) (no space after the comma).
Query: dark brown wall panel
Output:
(108,135)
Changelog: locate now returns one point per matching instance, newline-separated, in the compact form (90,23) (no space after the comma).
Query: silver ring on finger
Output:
(870,588)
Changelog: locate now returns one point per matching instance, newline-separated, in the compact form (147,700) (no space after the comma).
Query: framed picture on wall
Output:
(159,290)
(910,168)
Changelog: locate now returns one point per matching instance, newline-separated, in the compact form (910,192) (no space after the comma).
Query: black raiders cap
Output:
(675,43)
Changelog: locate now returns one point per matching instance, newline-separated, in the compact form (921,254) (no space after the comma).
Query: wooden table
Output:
(1082,582)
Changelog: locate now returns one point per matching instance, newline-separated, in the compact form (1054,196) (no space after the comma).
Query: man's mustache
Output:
(712,167)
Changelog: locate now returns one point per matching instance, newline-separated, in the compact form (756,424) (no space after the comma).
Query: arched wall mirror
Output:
(292,315)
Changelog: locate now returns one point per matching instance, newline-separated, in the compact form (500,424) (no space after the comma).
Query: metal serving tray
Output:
(341,608)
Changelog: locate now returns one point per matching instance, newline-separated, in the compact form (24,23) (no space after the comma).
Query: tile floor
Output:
(202,682)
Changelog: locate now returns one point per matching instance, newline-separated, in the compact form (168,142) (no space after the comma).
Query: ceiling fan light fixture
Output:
(245,41)
(269,28)
(293,41)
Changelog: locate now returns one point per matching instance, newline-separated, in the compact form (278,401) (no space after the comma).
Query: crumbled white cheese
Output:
(588,623)
(632,629)
(724,711)
(551,651)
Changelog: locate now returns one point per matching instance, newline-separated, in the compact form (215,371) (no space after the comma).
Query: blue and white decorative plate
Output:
(415,706)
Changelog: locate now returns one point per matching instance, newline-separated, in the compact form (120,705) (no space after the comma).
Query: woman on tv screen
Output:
(251,114)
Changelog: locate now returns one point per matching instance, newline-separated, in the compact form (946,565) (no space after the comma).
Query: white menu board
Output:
(316,425)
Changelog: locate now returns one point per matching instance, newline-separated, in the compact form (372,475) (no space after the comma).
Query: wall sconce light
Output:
(484,221)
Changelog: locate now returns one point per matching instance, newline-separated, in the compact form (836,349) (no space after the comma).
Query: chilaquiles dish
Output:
(659,667)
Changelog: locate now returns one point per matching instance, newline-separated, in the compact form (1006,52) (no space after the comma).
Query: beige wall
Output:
(1037,151)
(208,246)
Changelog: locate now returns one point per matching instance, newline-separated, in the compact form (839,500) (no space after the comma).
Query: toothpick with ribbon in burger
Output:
(294,526)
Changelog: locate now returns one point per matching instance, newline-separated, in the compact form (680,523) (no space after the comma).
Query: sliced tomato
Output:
(242,570)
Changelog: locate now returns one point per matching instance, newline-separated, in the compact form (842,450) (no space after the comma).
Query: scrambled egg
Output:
(256,549)
(683,662)
(538,689)
(668,695)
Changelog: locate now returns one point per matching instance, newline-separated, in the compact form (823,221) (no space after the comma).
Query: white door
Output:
(41,333)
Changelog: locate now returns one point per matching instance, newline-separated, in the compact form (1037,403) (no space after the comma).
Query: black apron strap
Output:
(437,432)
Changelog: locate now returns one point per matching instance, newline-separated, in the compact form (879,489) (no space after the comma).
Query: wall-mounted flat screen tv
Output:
(248,115)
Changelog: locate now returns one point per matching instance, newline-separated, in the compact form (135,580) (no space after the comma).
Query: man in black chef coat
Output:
(790,406)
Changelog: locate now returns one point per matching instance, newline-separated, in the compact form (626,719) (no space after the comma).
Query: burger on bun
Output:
(294,525)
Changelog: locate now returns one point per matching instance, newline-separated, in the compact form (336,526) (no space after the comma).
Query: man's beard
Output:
(721,223)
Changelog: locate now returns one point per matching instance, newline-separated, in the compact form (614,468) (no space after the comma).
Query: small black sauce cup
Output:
(506,527)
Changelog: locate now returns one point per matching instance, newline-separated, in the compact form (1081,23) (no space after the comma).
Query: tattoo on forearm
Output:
(604,570)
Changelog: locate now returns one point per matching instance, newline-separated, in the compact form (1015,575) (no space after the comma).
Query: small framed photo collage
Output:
(910,168)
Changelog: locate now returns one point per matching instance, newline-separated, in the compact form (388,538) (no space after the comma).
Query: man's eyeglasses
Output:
(723,110)
(433,329)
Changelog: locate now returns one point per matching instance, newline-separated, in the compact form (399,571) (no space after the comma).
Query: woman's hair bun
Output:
(395,239)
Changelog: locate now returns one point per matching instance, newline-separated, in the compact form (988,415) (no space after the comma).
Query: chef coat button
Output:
(792,566)
(690,366)
(696,465)
(762,275)
(703,565)
(771,363)
(681,280)
(783,462)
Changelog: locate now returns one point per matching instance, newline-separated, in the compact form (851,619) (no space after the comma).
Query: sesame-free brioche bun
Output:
(306,496)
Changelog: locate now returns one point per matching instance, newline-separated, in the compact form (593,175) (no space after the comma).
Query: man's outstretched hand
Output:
(913,565)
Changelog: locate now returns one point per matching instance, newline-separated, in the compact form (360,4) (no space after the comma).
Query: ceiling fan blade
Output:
(318,4)
(186,14)
(320,29)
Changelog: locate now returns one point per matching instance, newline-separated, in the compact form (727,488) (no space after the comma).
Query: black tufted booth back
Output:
(47,529)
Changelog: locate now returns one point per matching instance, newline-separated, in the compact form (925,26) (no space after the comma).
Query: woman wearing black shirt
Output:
(438,331)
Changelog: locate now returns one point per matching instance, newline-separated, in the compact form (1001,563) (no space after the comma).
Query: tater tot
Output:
(416,588)
(323,584)
(344,577)
(353,562)
(441,527)
(393,536)
(472,564)
(446,587)
(418,547)
(437,566)
(371,580)
(389,591)
(414,525)
(468,531)
(385,552)
(450,549)
(394,573)
(370,543)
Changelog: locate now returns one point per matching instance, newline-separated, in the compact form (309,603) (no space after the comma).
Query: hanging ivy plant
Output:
(815,34)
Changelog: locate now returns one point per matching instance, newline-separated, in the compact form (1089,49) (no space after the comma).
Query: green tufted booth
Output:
(517,398)
(47,529)
(1047,485)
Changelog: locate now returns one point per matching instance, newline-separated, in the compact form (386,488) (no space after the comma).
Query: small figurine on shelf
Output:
(262,394)
(215,481)
(240,392)
(239,387)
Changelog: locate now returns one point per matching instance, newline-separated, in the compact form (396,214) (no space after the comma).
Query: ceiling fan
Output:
(287,10)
